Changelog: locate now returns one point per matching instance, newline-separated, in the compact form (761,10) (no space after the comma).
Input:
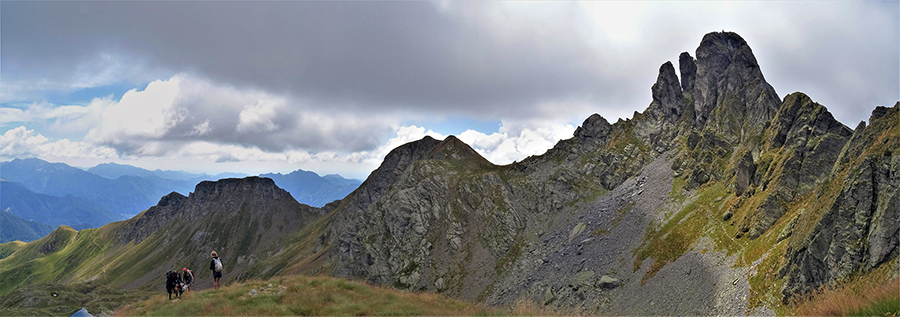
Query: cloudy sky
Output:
(331,87)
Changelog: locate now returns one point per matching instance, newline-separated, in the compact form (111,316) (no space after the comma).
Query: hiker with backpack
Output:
(173,284)
(187,278)
(216,267)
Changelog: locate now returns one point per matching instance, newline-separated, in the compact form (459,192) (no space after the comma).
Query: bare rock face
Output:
(730,94)
(861,228)
(688,68)
(804,142)
(666,94)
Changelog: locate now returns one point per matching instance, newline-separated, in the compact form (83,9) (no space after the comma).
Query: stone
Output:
(578,229)
(548,296)
(584,278)
(608,282)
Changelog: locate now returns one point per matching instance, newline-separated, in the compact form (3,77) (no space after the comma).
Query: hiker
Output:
(216,267)
(187,278)
(172,284)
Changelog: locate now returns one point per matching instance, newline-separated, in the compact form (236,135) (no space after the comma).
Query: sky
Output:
(333,86)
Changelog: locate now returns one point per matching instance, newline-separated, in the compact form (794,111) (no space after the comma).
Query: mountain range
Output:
(57,194)
(720,198)
(113,171)
(314,190)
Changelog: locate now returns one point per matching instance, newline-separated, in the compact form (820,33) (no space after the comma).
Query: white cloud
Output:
(201,128)
(259,117)
(173,113)
(144,114)
(21,142)
(405,135)
(508,145)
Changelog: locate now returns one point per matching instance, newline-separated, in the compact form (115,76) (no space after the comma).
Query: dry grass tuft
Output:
(858,297)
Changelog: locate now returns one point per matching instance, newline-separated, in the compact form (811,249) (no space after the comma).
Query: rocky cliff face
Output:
(858,229)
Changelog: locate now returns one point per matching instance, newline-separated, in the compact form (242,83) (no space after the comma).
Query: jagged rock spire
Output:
(666,94)
(688,68)
(730,93)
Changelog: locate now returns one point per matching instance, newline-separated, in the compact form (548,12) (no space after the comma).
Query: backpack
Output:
(218,264)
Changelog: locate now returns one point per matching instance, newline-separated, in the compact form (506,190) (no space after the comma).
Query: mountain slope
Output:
(314,190)
(245,220)
(76,212)
(14,228)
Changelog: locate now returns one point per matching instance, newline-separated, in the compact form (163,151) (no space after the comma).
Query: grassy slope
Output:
(310,296)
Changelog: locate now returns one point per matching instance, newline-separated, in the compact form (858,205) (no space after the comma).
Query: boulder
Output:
(609,282)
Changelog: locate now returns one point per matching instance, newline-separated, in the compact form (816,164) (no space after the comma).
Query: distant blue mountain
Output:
(76,212)
(127,195)
(113,171)
(128,190)
(14,228)
(314,190)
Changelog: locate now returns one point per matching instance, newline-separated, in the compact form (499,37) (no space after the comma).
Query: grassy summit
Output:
(301,295)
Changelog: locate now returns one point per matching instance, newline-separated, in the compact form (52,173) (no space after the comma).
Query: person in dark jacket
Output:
(216,266)
(173,280)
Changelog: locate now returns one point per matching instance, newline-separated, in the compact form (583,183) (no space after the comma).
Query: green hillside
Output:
(313,296)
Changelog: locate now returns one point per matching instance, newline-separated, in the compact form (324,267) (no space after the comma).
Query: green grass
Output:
(667,242)
(8,248)
(311,296)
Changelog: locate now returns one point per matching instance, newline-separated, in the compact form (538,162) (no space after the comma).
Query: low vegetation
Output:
(666,242)
(312,296)
(873,294)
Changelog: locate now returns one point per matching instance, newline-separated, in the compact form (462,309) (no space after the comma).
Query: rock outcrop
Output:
(859,229)
(803,144)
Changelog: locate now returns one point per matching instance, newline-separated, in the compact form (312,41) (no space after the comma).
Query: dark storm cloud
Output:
(352,55)
(469,59)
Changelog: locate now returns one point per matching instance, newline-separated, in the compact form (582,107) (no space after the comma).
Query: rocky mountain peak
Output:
(730,94)
(882,111)
(172,199)
(594,126)
(718,50)
(452,148)
(223,188)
